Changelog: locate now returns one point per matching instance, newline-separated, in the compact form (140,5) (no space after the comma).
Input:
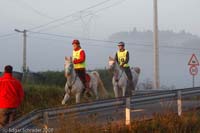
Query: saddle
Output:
(88,78)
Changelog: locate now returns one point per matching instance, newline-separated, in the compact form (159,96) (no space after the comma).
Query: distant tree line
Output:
(57,78)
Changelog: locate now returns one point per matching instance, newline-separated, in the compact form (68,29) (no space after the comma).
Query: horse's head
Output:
(111,63)
(68,66)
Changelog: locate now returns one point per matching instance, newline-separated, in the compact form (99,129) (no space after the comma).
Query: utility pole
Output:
(156,47)
(24,67)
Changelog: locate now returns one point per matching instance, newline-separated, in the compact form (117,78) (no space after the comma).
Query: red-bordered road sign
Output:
(193,61)
(193,70)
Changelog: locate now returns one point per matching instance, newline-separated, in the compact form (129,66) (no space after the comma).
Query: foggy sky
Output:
(124,15)
(47,52)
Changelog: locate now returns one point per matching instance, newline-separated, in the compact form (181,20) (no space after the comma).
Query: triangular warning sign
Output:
(193,60)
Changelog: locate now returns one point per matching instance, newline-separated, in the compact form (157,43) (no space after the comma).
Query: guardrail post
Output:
(46,122)
(179,103)
(128,112)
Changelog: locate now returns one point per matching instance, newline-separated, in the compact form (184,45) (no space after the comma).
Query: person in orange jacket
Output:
(11,96)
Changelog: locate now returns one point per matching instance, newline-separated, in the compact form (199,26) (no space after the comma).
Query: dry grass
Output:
(74,126)
(40,96)
(170,123)
(167,123)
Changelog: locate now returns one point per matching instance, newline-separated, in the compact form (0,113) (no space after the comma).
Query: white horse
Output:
(120,80)
(74,85)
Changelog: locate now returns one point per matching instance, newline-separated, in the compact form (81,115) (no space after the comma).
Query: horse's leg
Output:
(123,91)
(94,89)
(115,88)
(96,92)
(66,97)
(78,95)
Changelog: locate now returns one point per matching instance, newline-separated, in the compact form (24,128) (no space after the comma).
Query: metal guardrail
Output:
(137,99)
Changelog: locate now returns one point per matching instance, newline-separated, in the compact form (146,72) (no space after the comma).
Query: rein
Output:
(117,73)
(118,78)
(70,86)
(72,83)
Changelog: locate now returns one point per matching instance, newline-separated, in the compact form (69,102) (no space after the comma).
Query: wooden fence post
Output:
(179,103)
(128,112)
(46,122)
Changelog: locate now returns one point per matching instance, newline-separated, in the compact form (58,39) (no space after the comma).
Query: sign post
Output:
(193,72)
(193,63)
(193,81)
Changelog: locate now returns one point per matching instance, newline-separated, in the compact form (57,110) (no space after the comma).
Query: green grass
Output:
(41,96)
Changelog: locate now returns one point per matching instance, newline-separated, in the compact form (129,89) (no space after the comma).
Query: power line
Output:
(42,38)
(65,36)
(61,24)
(146,44)
(86,15)
(115,42)
(114,4)
(60,19)
(7,35)
(34,10)
(50,34)
(150,51)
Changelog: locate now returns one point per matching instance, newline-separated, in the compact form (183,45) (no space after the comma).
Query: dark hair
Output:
(8,69)
(121,43)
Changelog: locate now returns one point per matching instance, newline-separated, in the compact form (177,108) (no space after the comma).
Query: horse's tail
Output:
(102,91)
(137,71)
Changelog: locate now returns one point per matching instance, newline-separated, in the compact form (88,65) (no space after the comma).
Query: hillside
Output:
(170,38)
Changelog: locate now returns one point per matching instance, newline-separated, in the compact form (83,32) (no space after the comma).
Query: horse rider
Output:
(79,58)
(122,57)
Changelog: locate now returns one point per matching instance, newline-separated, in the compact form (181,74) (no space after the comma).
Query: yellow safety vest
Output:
(76,55)
(122,57)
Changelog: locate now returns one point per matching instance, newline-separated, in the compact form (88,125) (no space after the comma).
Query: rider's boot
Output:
(132,87)
(82,93)
(87,89)
(129,88)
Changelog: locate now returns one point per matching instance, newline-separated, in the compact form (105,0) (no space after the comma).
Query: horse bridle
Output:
(120,74)
(70,70)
